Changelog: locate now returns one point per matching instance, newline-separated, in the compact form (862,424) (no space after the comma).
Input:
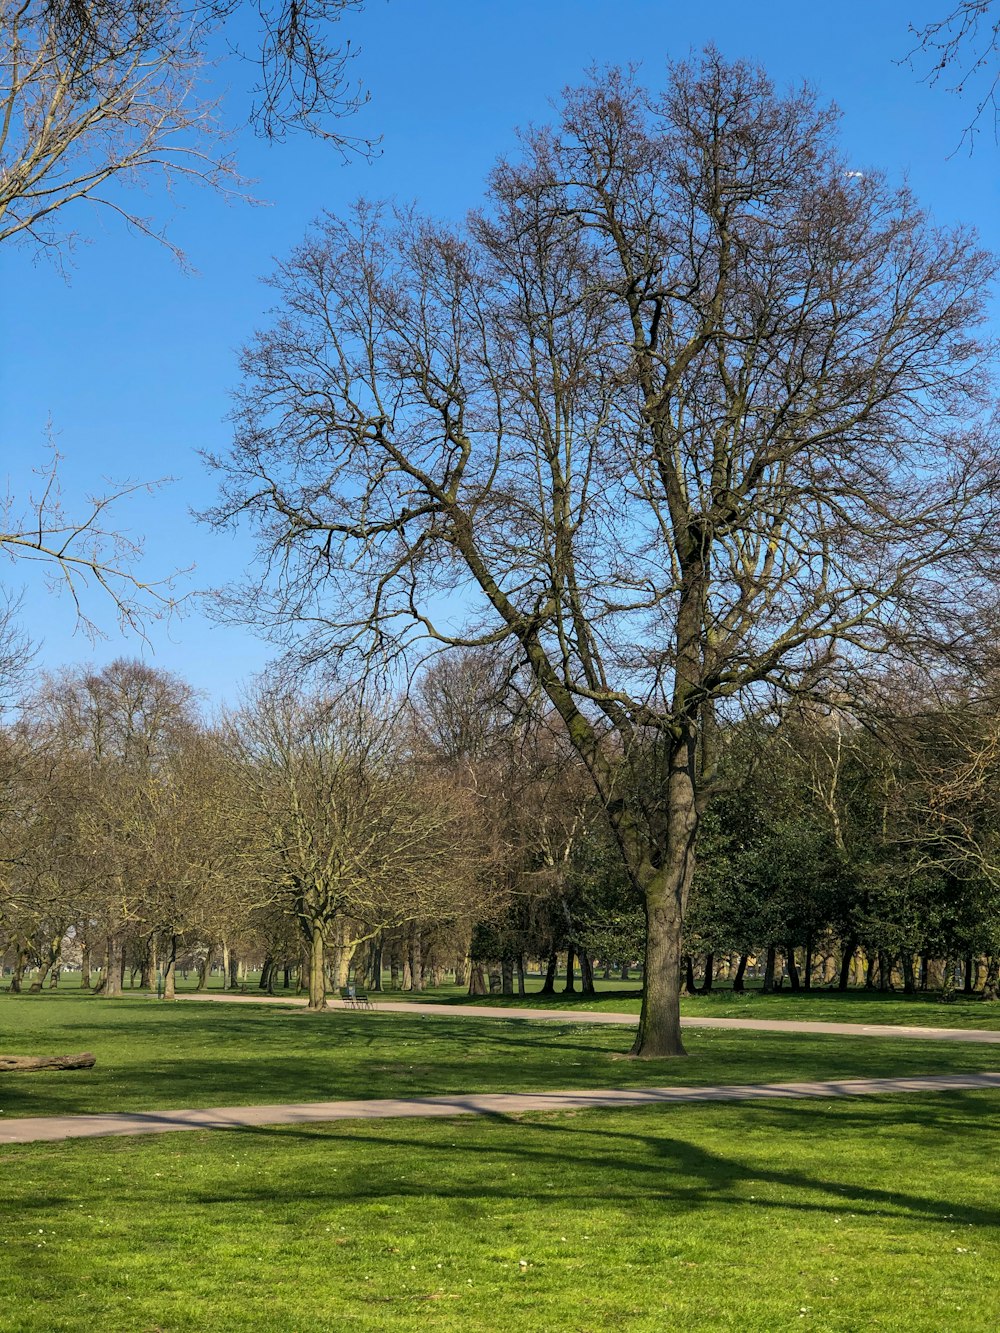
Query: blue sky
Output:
(132,358)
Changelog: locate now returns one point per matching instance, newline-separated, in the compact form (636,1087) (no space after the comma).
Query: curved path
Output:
(625,1020)
(47,1128)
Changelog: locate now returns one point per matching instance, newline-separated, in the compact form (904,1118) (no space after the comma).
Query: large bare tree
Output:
(691,411)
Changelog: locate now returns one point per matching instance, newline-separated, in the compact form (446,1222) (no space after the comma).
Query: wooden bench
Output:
(355,999)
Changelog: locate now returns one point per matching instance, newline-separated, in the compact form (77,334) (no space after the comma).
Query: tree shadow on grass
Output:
(627,1167)
(230,1070)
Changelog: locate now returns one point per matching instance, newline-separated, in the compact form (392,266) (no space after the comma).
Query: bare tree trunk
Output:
(507,976)
(587,986)
(17,975)
(335,952)
(738,986)
(225,965)
(770,964)
(495,974)
(906,964)
(549,984)
(461,971)
(660,1019)
(666,889)
(85,966)
(477,980)
(148,966)
(968,975)
(850,948)
(793,971)
(570,987)
(51,959)
(416,964)
(709,977)
(884,970)
(807,964)
(690,988)
(991,985)
(520,974)
(317,969)
(111,983)
(170,971)
(40,975)
(204,969)
(375,964)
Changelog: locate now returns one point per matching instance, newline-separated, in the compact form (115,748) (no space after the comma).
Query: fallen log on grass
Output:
(27,1062)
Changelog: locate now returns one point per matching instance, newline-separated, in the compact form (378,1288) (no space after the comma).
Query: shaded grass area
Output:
(817,1005)
(812,1006)
(158,1056)
(840,1216)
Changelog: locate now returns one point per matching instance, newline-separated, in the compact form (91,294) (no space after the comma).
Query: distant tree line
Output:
(325,836)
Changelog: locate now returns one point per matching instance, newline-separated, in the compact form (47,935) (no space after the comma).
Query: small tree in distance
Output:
(350,839)
(689,413)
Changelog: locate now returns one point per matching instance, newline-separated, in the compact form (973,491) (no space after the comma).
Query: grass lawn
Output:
(157,1056)
(838,1216)
(841,1215)
(815,1006)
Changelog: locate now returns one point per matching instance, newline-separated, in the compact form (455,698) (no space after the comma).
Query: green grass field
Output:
(851,1215)
(874,1213)
(157,1056)
(816,1005)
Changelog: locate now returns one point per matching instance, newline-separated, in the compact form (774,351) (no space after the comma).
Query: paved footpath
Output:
(625,1020)
(47,1128)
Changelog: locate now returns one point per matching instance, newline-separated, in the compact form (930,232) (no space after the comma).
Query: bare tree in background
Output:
(99,96)
(82,553)
(691,413)
(102,98)
(121,728)
(352,838)
(304,73)
(962,50)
